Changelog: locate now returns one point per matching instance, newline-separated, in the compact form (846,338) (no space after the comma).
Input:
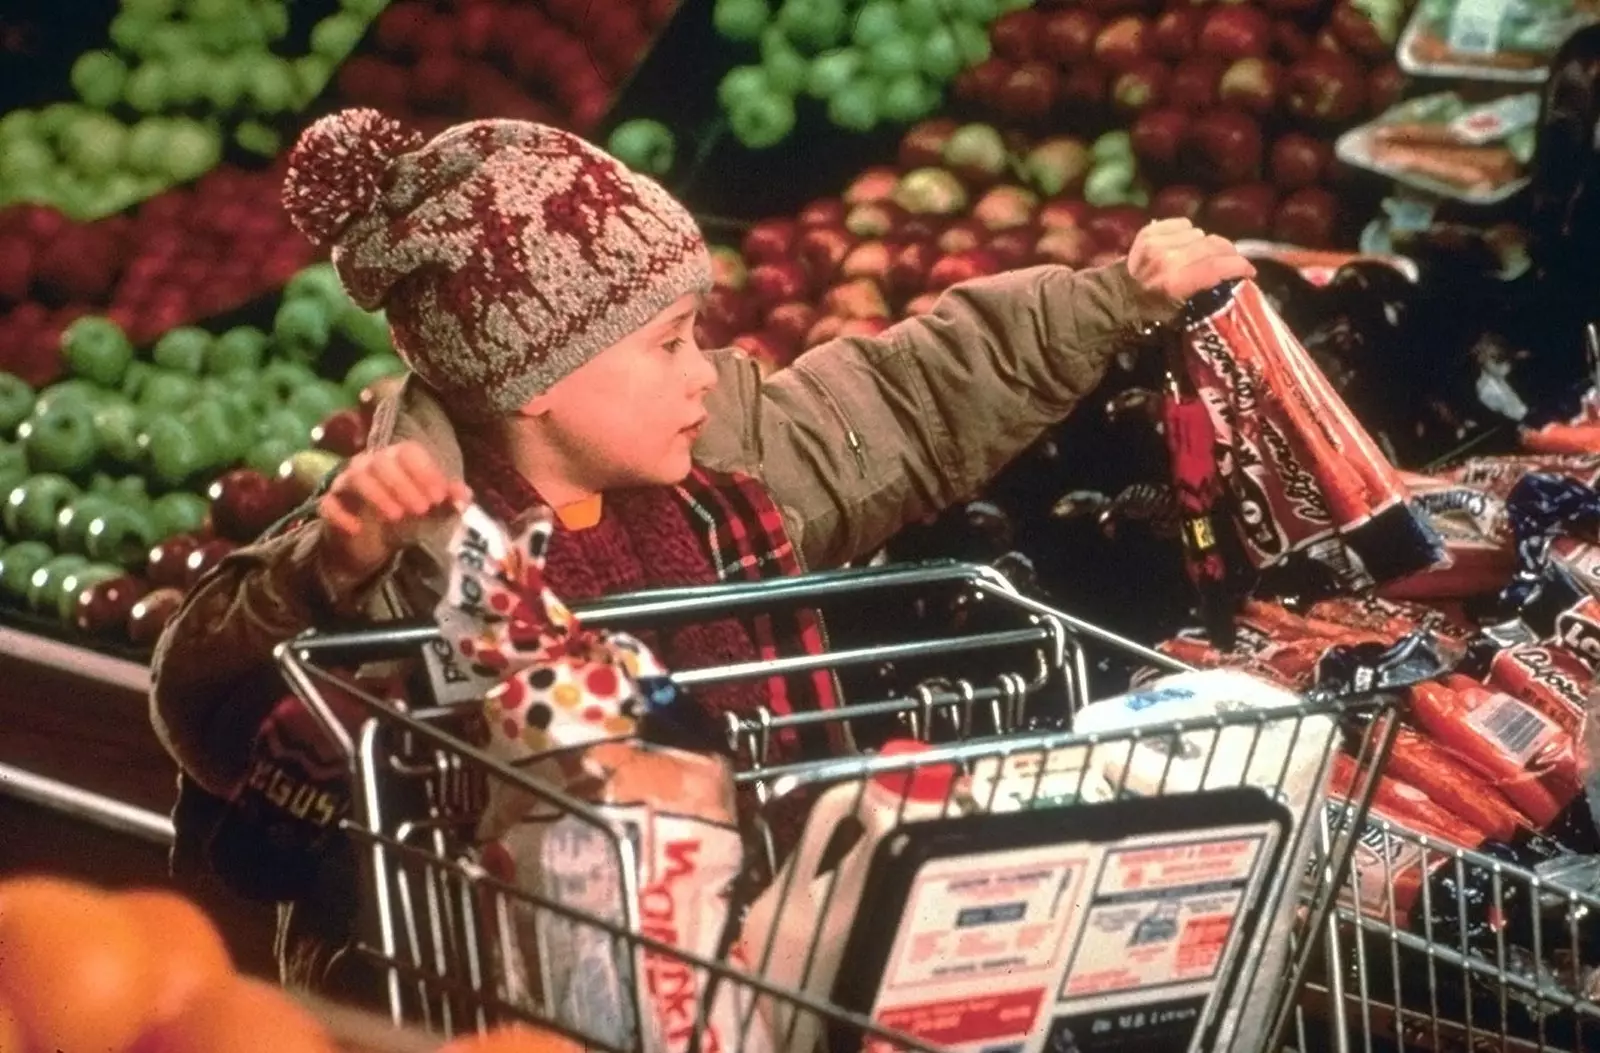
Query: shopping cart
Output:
(442,930)
(1460,950)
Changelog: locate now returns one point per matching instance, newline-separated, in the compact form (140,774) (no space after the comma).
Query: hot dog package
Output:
(1442,145)
(1313,498)
(1476,531)
(565,710)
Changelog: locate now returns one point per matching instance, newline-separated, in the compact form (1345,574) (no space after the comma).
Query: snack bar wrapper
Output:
(1313,496)
(562,703)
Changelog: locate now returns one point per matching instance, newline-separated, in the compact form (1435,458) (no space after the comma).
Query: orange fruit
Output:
(73,966)
(239,1015)
(514,1038)
(10,1030)
(185,948)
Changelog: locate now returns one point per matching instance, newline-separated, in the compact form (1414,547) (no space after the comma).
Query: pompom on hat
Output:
(505,253)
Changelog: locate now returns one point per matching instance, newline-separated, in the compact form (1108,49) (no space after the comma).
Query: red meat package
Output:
(1452,786)
(1476,533)
(1392,619)
(1311,490)
(1497,476)
(1520,751)
(1405,802)
(1272,642)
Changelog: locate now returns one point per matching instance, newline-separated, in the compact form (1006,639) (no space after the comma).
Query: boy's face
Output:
(629,416)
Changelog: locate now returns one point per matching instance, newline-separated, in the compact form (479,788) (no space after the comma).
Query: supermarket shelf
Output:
(103,811)
(79,661)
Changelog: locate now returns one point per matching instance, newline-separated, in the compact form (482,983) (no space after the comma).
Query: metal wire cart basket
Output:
(1159,887)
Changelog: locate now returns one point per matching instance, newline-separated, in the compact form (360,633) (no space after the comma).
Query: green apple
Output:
(147,145)
(76,390)
(16,401)
(242,347)
(173,40)
(979,12)
(786,67)
(762,122)
(26,159)
(19,125)
(972,41)
(876,21)
(280,380)
(33,504)
(44,588)
(13,465)
(856,106)
(98,78)
(921,16)
(131,32)
(272,20)
(302,328)
(124,490)
(308,468)
(72,522)
(370,370)
(813,24)
(940,56)
(179,512)
(257,138)
(311,75)
(97,350)
(60,439)
(270,84)
(121,535)
(186,81)
(316,402)
(319,282)
(336,36)
(146,88)
(287,425)
(167,391)
(193,149)
(644,146)
(173,454)
(134,379)
(270,452)
(368,330)
(182,350)
(908,98)
(216,430)
(226,87)
(78,580)
(893,57)
(1112,146)
(368,9)
(741,20)
(117,424)
(17,564)
(832,70)
(743,84)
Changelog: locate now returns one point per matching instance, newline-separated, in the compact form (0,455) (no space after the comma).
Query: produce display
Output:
(138,471)
(176,83)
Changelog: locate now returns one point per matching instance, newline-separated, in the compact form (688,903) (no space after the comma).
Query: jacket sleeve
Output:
(213,675)
(862,436)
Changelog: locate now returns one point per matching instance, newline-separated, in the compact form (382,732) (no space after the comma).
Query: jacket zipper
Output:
(851,439)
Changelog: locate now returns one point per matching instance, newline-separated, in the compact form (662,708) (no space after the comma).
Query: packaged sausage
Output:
(1439,144)
(1407,803)
(565,713)
(1498,476)
(1452,786)
(1389,620)
(1492,40)
(1476,534)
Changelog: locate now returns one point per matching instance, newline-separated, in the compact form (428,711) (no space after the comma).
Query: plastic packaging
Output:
(1494,40)
(1437,143)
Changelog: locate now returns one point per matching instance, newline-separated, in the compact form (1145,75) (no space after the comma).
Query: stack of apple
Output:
(558,61)
(187,254)
(156,106)
(129,479)
(962,203)
(1241,97)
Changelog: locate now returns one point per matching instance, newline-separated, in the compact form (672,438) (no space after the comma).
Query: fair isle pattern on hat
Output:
(506,254)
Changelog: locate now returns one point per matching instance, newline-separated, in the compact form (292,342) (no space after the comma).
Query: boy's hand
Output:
(383,501)
(1172,260)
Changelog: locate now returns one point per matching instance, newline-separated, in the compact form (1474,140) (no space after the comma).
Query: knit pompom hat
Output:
(505,253)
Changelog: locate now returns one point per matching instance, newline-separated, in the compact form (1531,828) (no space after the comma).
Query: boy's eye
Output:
(674,345)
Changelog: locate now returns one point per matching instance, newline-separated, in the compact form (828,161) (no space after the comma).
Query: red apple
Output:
(1064,212)
(764,350)
(821,251)
(863,327)
(924,143)
(1015,35)
(1194,83)
(150,615)
(343,433)
(918,228)
(1158,136)
(908,270)
(1327,42)
(102,609)
(165,565)
(1013,248)
(769,241)
(1173,35)
(1235,31)
(1068,35)
(1178,201)
(1299,160)
(1385,86)
(960,267)
(1358,33)
(728,311)
(921,304)
(980,83)
(706,334)
(1029,92)
(790,322)
(1228,144)
(779,282)
(870,259)
(1308,217)
(728,268)
(1142,87)
(827,328)
(873,184)
(874,219)
(1123,43)
(1068,246)
(1114,229)
(207,555)
(1105,259)
(1327,88)
(963,235)
(1251,85)
(1290,43)
(1085,88)
(1290,7)
(244,503)
(1243,211)
(1005,208)
(823,212)
(859,298)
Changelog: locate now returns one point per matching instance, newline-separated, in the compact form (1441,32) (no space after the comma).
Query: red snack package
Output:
(1522,753)
(1284,625)
(1581,559)
(1477,536)
(1562,438)
(1389,620)
(1407,803)
(1308,482)
(1497,476)
(1451,785)
(1549,678)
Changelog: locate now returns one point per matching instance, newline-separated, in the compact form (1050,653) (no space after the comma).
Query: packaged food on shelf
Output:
(1495,40)
(1476,154)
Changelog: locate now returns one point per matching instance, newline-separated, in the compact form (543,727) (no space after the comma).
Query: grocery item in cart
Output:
(1314,498)
(1451,786)
(1438,143)
(566,712)
(1477,536)
(1392,619)
(1495,40)
(795,933)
